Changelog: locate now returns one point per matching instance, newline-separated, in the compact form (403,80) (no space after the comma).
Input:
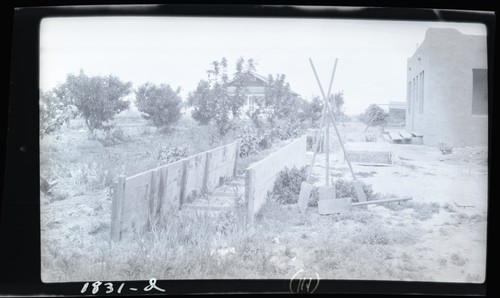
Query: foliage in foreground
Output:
(54,112)
(286,188)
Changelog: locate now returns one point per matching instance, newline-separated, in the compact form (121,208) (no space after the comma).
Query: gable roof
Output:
(260,81)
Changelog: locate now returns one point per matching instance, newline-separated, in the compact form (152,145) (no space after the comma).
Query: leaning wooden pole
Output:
(327,152)
(332,117)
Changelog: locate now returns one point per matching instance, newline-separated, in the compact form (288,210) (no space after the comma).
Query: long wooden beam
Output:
(381,201)
(331,115)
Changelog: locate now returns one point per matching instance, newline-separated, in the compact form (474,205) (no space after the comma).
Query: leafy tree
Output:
(54,112)
(315,109)
(201,101)
(160,104)
(212,101)
(374,115)
(337,103)
(280,102)
(244,69)
(98,98)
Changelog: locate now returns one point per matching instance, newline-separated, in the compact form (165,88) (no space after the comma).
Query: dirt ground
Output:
(440,235)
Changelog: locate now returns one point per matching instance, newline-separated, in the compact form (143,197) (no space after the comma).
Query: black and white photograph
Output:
(197,147)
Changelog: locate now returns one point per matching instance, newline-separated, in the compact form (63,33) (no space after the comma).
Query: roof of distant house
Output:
(399,105)
(259,81)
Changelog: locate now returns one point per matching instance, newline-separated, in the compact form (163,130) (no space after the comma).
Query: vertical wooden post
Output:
(182,198)
(116,208)
(237,156)
(155,194)
(249,192)
(207,171)
(327,152)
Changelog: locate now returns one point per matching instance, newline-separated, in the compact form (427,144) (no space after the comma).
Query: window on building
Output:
(408,96)
(251,104)
(413,93)
(421,93)
(479,92)
(416,93)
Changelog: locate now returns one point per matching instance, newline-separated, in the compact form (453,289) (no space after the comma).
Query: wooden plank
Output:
(332,206)
(222,194)
(249,192)
(184,179)
(208,159)
(155,196)
(165,207)
(381,201)
(360,193)
(395,136)
(260,176)
(136,205)
(236,158)
(116,209)
(209,208)
(405,135)
(327,152)
(416,134)
(195,173)
(326,192)
(173,184)
(305,193)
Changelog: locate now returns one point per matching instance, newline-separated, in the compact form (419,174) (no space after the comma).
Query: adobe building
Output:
(447,89)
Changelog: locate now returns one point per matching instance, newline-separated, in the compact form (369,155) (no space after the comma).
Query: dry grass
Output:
(199,245)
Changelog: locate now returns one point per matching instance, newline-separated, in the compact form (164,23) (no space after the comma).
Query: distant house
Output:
(397,113)
(447,89)
(255,86)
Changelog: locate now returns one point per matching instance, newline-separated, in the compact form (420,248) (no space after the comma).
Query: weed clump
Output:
(168,155)
(286,188)
(345,189)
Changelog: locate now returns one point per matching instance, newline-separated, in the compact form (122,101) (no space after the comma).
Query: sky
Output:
(179,50)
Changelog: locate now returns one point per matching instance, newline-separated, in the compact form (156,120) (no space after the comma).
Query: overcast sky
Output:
(178,51)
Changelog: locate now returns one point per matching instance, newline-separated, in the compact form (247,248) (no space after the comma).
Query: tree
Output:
(160,104)
(201,101)
(211,101)
(280,102)
(337,103)
(244,69)
(54,112)
(98,98)
(315,109)
(374,115)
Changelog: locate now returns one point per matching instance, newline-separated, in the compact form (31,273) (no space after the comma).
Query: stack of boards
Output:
(403,137)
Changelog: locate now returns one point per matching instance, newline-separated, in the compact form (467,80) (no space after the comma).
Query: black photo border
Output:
(20,208)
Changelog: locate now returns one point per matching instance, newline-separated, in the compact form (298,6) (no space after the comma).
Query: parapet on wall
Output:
(260,176)
(141,200)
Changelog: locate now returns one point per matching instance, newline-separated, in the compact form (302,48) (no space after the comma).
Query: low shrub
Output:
(345,189)
(109,137)
(286,188)
(168,155)
(286,130)
(94,176)
(314,197)
(251,142)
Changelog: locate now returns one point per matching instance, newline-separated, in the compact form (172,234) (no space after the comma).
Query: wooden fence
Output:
(142,200)
(260,177)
